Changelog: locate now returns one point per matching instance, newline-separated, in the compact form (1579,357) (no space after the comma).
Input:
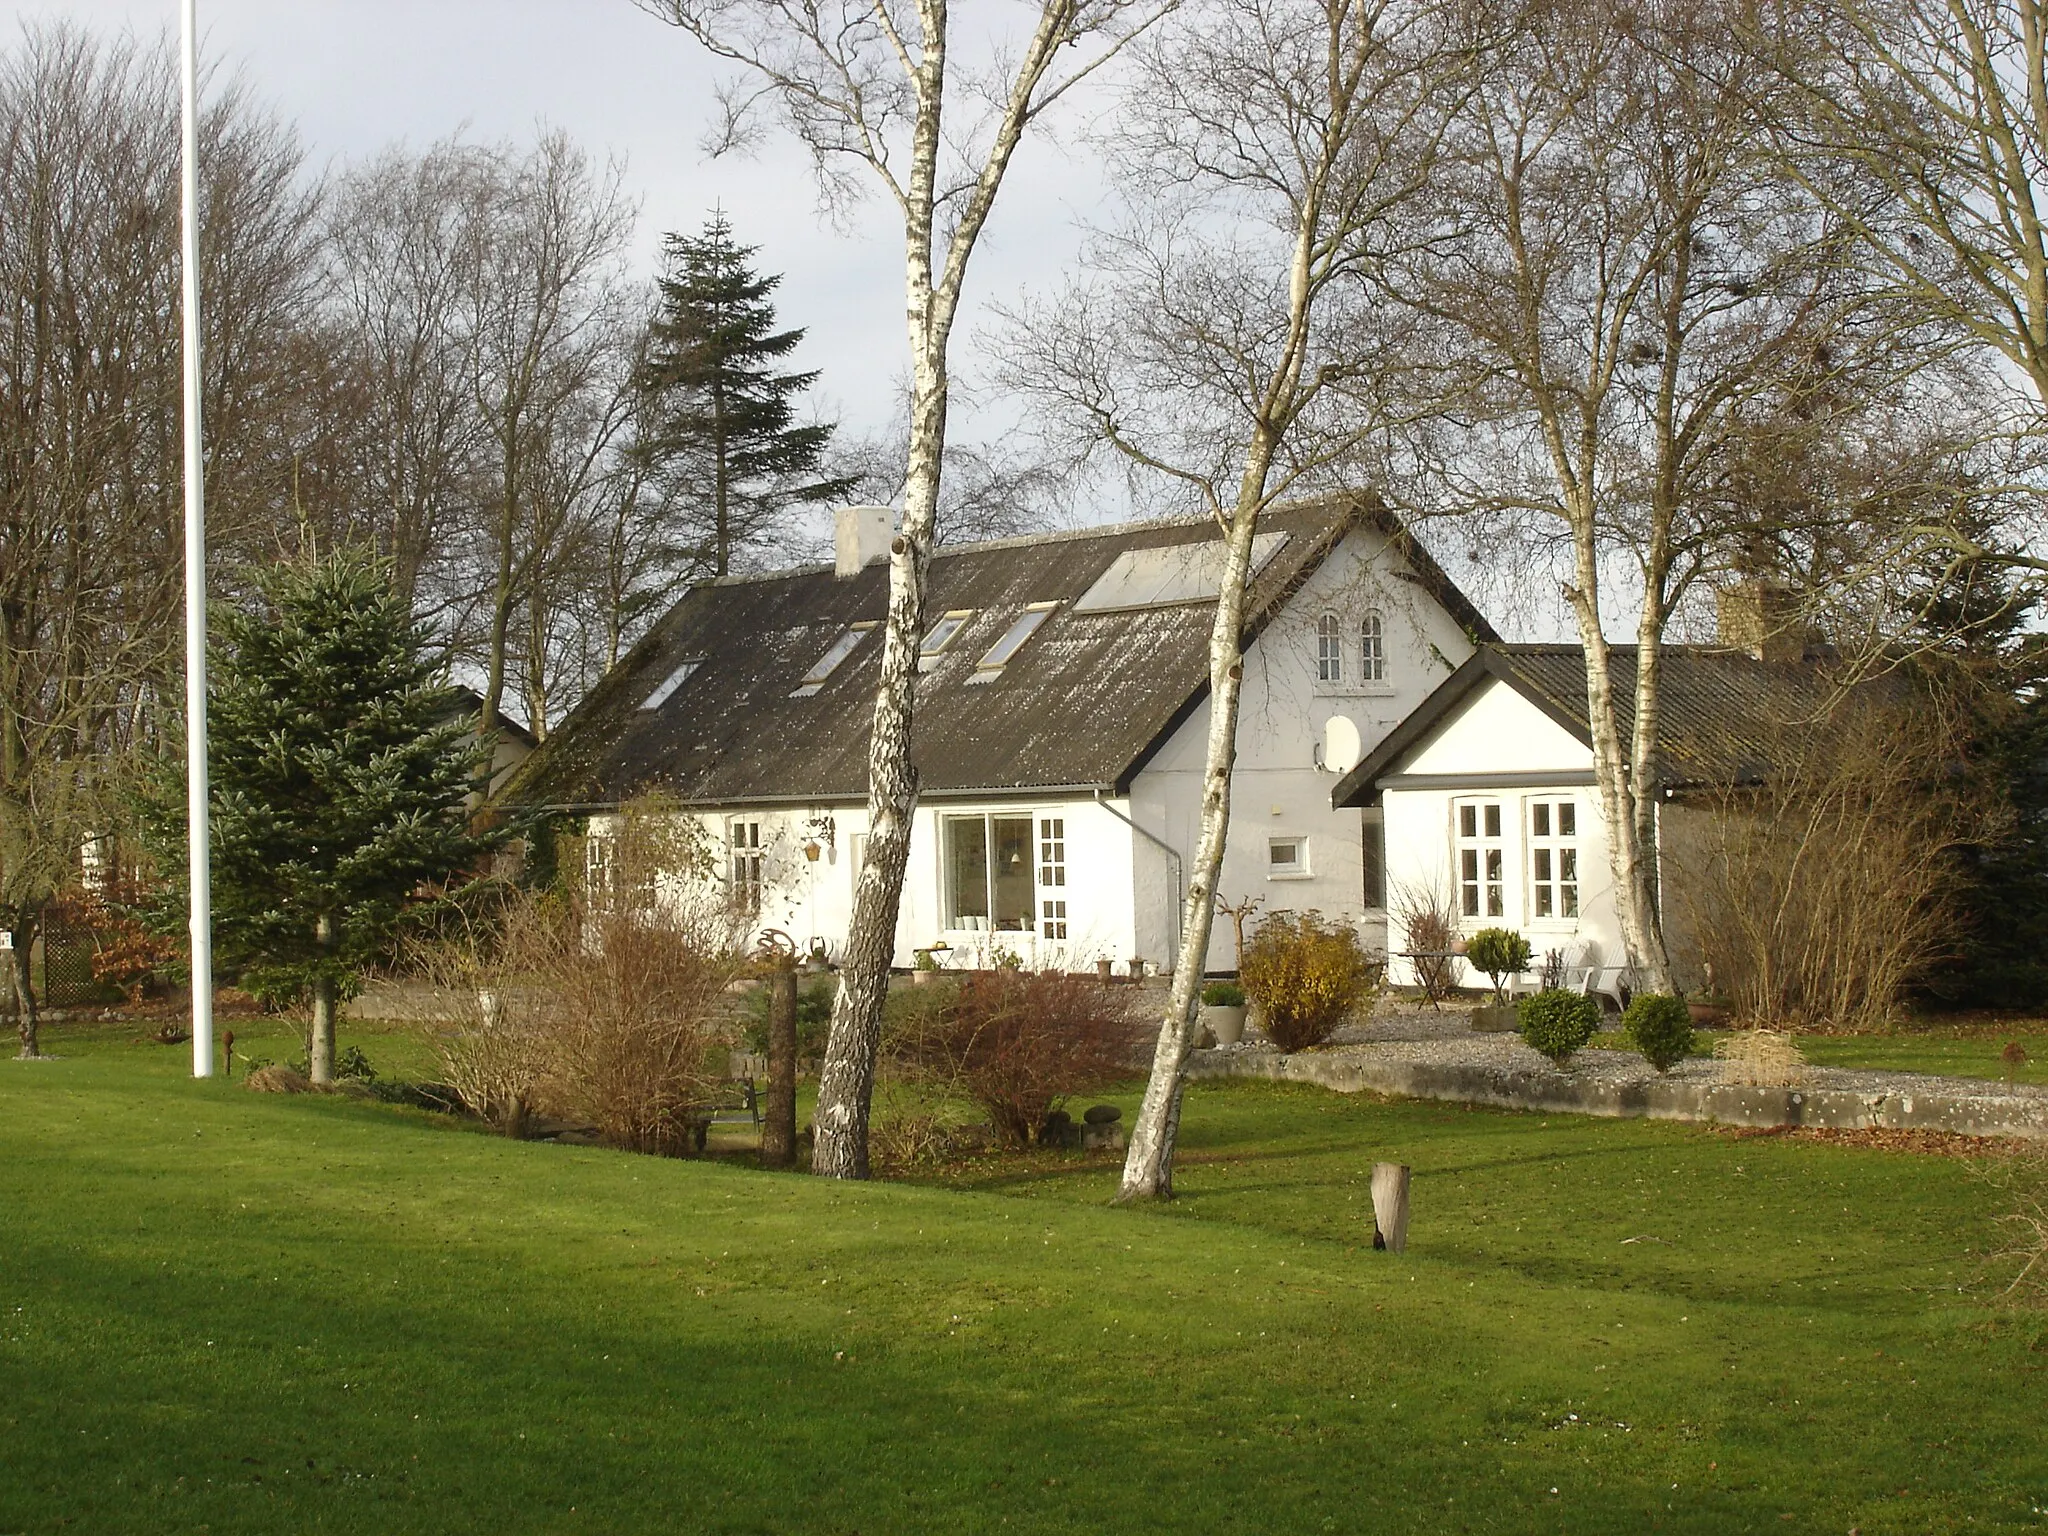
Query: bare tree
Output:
(1232,345)
(1648,306)
(876,89)
(90,574)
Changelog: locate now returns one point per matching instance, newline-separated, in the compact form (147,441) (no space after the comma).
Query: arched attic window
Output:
(1372,648)
(1329,650)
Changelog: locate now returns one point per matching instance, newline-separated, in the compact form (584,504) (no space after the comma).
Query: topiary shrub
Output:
(1659,1027)
(1557,1023)
(1305,975)
(1498,953)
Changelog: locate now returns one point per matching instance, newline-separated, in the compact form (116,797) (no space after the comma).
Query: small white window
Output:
(1052,876)
(672,682)
(940,636)
(1286,856)
(1014,637)
(1372,649)
(1329,650)
(841,648)
(1481,857)
(1554,858)
(748,865)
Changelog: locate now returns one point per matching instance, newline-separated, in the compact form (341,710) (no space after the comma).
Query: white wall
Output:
(1497,731)
(1278,790)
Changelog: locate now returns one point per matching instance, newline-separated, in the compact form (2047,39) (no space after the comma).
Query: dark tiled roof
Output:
(1720,710)
(1083,704)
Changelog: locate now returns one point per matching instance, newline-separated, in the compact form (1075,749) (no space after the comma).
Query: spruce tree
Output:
(340,766)
(725,418)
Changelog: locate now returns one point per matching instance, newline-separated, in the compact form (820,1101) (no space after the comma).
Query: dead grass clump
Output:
(1760,1058)
(277,1078)
(2024,1224)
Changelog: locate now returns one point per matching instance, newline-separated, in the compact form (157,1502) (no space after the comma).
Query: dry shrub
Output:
(599,1003)
(1760,1058)
(1018,1043)
(1428,918)
(1306,975)
(277,1078)
(2023,1180)
(1818,897)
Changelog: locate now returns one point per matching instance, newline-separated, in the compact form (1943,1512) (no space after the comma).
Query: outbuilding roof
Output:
(1082,703)
(1722,711)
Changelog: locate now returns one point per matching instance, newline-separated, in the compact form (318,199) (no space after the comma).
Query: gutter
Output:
(1179,872)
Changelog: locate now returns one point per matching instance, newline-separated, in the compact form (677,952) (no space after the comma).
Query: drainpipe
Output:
(1173,920)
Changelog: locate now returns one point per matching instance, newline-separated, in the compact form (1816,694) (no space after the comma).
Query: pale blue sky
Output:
(358,74)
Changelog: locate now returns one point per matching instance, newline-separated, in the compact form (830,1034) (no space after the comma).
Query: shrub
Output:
(1760,1058)
(1429,926)
(1305,975)
(1017,1043)
(1558,1023)
(1222,994)
(1499,953)
(1659,1027)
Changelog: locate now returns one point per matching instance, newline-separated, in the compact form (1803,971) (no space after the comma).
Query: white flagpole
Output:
(198,835)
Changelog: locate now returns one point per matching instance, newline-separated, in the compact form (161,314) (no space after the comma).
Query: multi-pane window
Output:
(1329,649)
(1052,877)
(988,873)
(1372,649)
(1481,859)
(1554,858)
(748,863)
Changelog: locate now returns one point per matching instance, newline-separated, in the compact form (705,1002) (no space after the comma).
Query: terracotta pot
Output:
(1707,1015)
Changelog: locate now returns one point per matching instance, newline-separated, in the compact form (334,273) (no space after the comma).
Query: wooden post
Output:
(1390,1206)
(778,1123)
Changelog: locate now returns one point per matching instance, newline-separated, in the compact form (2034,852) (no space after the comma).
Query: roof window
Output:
(1023,629)
(673,681)
(1163,575)
(848,642)
(940,636)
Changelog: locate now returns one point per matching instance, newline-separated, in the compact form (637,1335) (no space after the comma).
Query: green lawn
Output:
(226,1311)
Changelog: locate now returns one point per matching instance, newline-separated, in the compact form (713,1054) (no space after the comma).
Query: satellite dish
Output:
(1341,749)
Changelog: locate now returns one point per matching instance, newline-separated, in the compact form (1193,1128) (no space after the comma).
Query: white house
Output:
(1060,729)
(1488,794)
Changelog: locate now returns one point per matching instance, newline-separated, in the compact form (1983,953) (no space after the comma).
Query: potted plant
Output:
(1223,1011)
(1709,1010)
(1499,953)
(926,965)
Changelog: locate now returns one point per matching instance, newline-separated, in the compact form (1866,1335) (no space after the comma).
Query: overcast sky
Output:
(356,75)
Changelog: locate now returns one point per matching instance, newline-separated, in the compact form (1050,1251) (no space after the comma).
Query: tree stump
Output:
(778,1120)
(1390,1206)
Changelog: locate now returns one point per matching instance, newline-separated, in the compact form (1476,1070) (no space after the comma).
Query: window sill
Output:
(1292,874)
(1354,690)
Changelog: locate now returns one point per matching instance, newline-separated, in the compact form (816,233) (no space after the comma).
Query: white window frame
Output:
(1021,629)
(951,918)
(1296,868)
(1372,647)
(1052,877)
(1329,651)
(746,864)
(1556,876)
(1479,863)
(940,637)
(665,689)
(843,645)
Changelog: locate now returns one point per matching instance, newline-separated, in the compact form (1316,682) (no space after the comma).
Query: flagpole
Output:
(198,836)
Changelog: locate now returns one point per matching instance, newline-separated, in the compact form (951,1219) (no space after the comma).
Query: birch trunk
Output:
(320,1044)
(1148,1165)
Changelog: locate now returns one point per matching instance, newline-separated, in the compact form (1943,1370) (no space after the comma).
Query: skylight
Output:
(1014,637)
(1169,574)
(848,642)
(673,681)
(941,635)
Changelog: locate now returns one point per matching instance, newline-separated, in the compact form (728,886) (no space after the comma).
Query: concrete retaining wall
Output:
(1991,1112)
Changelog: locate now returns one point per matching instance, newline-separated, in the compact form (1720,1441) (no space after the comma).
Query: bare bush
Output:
(1018,1043)
(1429,926)
(1818,897)
(2023,1179)
(1760,1058)
(599,1003)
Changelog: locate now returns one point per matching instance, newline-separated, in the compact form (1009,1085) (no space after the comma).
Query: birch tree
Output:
(881,95)
(1644,300)
(1233,345)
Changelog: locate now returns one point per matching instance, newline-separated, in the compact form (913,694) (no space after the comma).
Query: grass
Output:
(1943,1048)
(226,1311)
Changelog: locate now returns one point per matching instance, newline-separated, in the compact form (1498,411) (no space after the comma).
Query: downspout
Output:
(1173,920)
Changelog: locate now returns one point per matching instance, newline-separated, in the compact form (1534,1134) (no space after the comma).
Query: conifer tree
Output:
(340,766)
(726,420)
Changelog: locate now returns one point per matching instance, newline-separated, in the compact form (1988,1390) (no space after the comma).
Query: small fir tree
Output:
(725,419)
(340,765)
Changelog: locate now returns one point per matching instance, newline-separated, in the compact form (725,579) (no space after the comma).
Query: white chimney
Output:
(860,536)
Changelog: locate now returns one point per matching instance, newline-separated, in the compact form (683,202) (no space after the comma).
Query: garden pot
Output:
(1707,1015)
(1225,1021)
(1105,971)
(1496,1019)
(919,978)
